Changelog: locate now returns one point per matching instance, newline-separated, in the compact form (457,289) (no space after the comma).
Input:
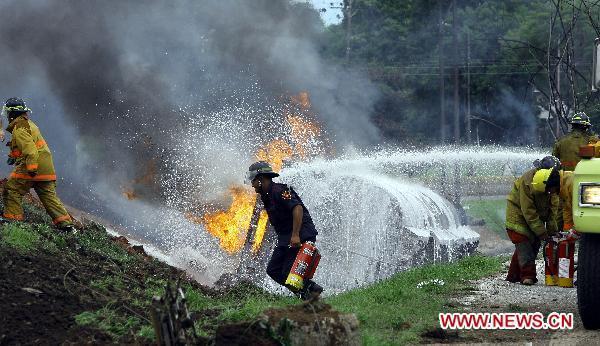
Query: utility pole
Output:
(559,103)
(456,84)
(468,86)
(442,86)
(348,14)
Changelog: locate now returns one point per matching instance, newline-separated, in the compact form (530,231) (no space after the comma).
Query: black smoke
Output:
(112,82)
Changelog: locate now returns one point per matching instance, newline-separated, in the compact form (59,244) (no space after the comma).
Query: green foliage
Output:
(108,283)
(108,320)
(35,214)
(396,311)
(505,42)
(393,311)
(95,239)
(20,236)
(147,331)
(53,240)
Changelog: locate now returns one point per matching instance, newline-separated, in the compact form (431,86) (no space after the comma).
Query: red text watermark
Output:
(506,320)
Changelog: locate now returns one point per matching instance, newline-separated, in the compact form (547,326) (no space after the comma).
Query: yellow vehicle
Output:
(586,215)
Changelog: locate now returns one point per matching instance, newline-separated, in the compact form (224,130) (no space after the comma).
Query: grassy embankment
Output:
(492,211)
(119,286)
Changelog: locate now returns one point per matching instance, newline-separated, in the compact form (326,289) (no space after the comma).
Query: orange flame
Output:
(302,100)
(275,153)
(128,193)
(304,132)
(260,231)
(231,226)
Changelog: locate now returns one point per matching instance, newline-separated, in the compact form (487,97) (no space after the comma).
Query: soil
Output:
(41,293)
(44,315)
(303,313)
(498,295)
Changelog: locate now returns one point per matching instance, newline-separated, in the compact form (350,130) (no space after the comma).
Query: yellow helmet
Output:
(540,179)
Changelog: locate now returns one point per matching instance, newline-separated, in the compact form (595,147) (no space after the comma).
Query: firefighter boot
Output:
(527,282)
(67,229)
(311,291)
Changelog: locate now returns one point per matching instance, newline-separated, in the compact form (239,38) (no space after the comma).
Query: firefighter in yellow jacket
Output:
(531,211)
(33,168)
(567,147)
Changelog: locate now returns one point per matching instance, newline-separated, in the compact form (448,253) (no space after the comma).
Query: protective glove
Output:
(11,161)
(573,235)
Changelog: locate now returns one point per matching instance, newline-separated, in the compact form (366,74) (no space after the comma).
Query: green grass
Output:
(242,303)
(108,320)
(95,239)
(492,211)
(108,283)
(391,312)
(395,311)
(20,235)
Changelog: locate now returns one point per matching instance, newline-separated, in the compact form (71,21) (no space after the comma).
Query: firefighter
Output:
(567,147)
(291,221)
(531,211)
(566,199)
(31,156)
(564,216)
(547,162)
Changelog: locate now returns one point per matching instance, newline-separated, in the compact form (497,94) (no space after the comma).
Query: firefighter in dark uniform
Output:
(567,147)
(291,221)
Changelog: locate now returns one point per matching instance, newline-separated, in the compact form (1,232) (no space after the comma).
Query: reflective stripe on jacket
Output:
(531,213)
(566,195)
(30,150)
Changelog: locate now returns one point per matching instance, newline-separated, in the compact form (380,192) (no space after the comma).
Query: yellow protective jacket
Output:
(567,147)
(528,212)
(566,196)
(29,149)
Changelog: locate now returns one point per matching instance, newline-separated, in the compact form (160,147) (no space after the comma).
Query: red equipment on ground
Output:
(304,266)
(566,263)
(559,259)
(551,263)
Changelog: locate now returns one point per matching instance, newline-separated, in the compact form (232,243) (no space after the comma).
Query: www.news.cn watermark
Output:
(506,320)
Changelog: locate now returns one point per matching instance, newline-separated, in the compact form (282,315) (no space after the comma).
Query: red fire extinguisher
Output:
(565,263)
(304,266)
(551,263)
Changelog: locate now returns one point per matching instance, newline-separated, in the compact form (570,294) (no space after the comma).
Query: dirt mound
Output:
(43,290)
(304,324)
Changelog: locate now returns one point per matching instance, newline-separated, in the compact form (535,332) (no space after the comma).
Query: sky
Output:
(329,16)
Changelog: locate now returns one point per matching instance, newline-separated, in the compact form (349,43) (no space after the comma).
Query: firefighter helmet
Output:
(545,178)
(580,119)
(547,162)
(259,168)
(14,105)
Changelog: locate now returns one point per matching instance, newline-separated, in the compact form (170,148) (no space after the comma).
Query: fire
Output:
(147,181)
(304,132)
(232,226)
(275,153)
(260,231)
(128,193)
(302,100)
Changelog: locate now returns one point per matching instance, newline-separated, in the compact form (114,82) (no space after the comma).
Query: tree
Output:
(502,51)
